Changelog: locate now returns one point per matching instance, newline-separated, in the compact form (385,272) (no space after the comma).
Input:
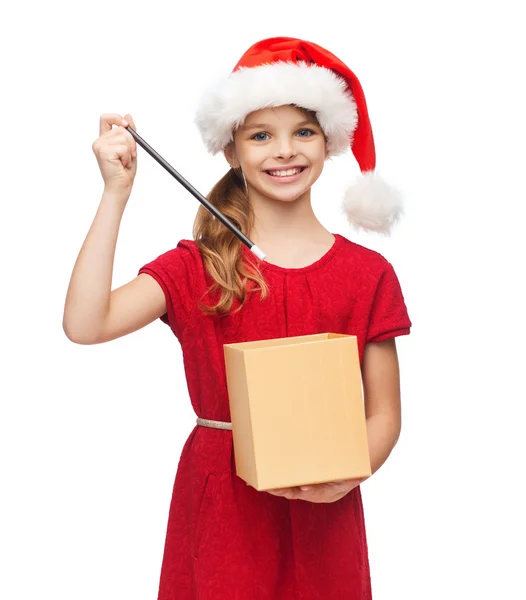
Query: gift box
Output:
(297,410)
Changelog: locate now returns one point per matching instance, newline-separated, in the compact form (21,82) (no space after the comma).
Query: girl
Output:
(287,107)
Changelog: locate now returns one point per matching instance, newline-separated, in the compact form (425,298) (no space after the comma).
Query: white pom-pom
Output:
(372,205)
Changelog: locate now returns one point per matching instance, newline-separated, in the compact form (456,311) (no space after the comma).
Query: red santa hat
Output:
(281,70)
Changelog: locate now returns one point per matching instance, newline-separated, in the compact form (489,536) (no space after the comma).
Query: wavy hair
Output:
(221,250)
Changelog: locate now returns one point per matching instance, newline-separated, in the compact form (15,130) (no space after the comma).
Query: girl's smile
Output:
(285,174)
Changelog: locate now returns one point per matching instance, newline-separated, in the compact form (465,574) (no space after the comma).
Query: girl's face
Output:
(281,151)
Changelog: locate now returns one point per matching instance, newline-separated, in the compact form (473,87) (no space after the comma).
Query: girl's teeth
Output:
(286,173)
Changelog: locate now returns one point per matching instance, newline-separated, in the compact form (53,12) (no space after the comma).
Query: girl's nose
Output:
(285,148)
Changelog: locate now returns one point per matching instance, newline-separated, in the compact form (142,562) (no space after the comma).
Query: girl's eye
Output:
(262,136)
(259,139)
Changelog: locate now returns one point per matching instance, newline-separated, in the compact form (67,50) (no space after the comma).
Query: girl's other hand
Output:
(116,152)
(319,492)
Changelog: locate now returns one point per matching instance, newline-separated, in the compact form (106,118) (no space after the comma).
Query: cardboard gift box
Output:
(297,410)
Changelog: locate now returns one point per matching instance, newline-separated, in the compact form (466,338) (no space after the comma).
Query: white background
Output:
(90,436)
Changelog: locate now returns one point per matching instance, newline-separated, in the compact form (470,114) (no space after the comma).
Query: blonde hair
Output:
(220,249)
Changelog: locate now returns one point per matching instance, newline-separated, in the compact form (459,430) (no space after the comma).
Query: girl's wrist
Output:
(115,197)
(116,192)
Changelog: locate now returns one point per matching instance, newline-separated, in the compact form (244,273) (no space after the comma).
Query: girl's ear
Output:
(230,154)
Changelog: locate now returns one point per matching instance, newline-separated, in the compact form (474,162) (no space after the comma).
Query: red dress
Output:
(225,540)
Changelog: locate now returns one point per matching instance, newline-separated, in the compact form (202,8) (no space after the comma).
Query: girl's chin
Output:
(288,196)
(266,187)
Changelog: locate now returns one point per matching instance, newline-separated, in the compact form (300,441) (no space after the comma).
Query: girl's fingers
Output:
(131,123)
(345,482)
(319,492)
(108,120)
(279,492)
(289,493)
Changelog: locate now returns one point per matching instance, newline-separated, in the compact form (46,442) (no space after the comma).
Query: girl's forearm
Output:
(383,431)
(89,291)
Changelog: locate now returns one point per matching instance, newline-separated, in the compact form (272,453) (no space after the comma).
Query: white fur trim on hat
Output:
(248,89)
(371,204)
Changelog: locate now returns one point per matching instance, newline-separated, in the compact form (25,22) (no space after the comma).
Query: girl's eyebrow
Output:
(267,126)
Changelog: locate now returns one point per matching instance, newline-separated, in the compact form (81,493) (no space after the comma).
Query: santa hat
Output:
(281,70)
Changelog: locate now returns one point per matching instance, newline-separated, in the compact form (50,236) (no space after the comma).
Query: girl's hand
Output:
(319,492)
(116,152)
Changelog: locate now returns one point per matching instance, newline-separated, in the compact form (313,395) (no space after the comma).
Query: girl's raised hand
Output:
(116,152)
(319,492)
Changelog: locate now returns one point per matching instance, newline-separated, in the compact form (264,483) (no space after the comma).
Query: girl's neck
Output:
(285,223)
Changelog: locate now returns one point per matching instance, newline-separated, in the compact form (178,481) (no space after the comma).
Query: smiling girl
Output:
(288,105)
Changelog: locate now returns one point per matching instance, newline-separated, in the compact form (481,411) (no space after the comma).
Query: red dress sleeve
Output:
(388,317)
(175,272)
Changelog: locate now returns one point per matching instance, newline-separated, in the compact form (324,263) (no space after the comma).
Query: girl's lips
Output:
(288,179)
